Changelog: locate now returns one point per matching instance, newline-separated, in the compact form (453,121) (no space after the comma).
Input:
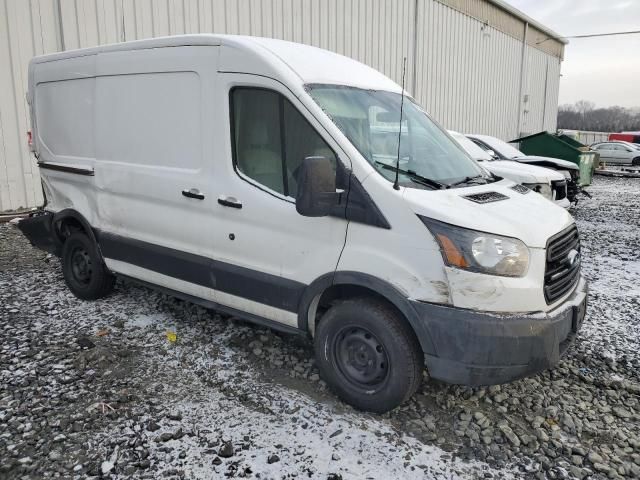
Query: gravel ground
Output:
(98,389)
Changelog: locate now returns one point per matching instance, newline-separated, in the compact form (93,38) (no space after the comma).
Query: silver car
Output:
(621,153)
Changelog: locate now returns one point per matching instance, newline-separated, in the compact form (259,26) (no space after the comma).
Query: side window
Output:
(271,139)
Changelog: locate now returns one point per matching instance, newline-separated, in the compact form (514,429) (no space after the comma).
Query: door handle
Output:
(229,201)
(193,193)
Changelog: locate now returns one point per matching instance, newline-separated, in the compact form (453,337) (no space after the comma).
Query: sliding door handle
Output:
(193,193)
(229,201)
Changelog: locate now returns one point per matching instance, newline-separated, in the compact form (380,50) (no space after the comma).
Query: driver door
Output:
(266,252)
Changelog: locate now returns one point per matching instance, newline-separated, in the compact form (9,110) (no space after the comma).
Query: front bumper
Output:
(479,348)
(564,203)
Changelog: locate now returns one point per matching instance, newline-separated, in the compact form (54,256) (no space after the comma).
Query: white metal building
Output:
(477,66)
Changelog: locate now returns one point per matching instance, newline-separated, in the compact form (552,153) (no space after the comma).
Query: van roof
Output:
(309,64)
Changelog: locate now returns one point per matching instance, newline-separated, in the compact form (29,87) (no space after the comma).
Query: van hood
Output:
(546,162)
(528,217)
(521,172)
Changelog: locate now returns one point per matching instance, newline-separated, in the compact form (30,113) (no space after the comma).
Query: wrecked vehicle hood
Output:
(546,162)
(528,217)
(521,172)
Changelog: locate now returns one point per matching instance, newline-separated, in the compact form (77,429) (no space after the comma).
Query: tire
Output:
(84,271)
(636,162)
(368,355)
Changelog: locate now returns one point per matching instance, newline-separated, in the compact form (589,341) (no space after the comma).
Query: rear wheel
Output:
(84,272)
(368,354)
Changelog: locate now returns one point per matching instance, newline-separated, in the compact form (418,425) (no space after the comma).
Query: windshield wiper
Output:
(468,180)
(414,176)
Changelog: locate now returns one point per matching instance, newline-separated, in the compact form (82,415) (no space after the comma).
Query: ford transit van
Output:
(304,191)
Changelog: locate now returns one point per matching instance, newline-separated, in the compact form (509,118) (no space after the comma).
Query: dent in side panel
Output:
(412,275)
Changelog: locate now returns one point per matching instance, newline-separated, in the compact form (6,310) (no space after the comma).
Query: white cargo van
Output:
(548,183)
(264,179)
(501,150)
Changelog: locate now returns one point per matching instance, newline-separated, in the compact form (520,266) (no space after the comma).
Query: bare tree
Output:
(583,115)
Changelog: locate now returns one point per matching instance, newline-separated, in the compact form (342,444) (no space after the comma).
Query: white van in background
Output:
(501,150)
(548,183)
(242,174)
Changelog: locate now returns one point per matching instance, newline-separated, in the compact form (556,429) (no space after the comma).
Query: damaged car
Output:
(501,150)
(548,183)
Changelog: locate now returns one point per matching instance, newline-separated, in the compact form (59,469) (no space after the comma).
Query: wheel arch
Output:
(349,284)
(73,217)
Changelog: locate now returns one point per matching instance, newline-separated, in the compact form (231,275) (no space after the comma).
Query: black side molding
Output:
(268,289)
(89,172)
(249,317)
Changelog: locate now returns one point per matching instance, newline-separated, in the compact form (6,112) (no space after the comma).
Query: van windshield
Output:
(370,119)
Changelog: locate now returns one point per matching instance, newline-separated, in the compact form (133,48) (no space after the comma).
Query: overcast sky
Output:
(604,70)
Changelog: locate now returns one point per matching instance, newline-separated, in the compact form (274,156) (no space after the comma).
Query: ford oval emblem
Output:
(573,257)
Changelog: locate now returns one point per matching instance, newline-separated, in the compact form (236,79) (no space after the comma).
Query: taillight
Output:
(30,140)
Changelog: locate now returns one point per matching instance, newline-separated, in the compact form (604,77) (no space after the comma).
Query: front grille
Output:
(563,264)
(559,187)
(486,197)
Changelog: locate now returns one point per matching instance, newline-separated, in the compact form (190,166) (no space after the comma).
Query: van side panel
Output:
(149,149)
(152,118)
(63,98)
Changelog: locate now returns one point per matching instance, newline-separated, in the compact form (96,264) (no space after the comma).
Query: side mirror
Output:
(316,194)
(492,153)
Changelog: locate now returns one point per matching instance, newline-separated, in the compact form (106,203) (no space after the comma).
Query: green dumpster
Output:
(563,147)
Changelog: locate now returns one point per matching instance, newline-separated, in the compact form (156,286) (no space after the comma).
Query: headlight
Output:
(543,189)
(479,251)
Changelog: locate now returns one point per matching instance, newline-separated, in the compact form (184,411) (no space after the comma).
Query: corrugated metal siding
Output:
(26,29)
(465,72)
(469,72)
(541,90)
(504,21)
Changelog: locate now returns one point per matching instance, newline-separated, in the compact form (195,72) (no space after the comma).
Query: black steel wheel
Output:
(84,271)
(368,354)
(81,265)
(360,357)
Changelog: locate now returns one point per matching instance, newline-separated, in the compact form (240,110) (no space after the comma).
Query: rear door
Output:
(267,253)
(154,165)
(606,152)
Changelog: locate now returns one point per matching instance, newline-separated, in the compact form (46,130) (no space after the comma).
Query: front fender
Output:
(380,287)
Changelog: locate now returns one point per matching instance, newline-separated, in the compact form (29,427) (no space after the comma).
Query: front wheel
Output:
(84,272)
(636,162)
(368,355)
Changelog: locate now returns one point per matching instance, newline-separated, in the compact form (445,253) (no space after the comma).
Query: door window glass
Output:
(272,138)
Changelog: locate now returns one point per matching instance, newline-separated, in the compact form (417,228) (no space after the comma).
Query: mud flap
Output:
(38,229)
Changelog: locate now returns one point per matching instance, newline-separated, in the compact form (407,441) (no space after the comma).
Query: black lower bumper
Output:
(38,228)
(476,348)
